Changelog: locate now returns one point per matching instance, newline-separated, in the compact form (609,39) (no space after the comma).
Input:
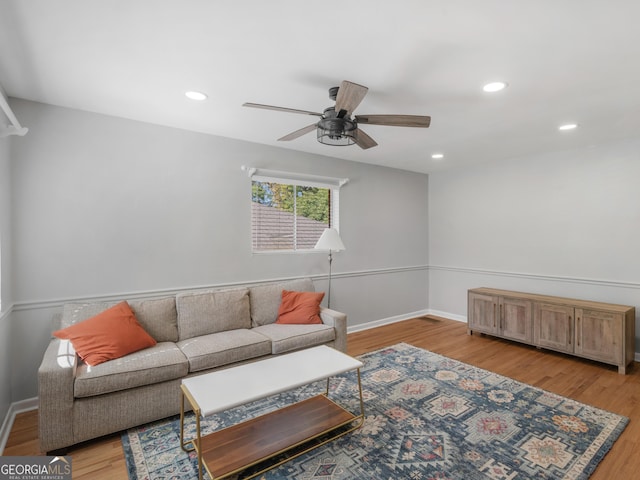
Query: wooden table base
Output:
(236,448)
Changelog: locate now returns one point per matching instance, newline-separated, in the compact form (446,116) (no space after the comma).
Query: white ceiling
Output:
(565,61)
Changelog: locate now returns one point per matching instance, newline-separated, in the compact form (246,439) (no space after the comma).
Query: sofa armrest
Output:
(56,376)
(338,321)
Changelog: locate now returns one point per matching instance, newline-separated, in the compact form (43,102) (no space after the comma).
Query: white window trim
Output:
(303,180)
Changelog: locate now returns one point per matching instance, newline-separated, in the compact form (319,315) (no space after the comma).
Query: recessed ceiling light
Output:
(437,156)
(494,87)
(568,126)
(195,95)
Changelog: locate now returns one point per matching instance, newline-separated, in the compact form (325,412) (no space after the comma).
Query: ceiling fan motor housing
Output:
(335,130)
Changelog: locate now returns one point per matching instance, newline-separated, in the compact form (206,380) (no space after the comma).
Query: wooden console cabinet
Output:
(599,331)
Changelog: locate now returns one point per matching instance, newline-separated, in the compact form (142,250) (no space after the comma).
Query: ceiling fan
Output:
(337,126)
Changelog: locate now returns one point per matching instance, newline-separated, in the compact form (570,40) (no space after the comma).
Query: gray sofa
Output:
(196,333)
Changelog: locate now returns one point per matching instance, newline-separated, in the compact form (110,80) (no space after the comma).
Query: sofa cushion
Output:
(203,313)
(158,317)
(76,312)
(223,348)
(285,338)
(159,363)
(265,299)
(110,334)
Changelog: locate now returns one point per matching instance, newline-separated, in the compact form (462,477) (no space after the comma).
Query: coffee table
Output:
(229,451)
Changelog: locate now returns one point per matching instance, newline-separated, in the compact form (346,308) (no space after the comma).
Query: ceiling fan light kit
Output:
(337,127)
(335,130)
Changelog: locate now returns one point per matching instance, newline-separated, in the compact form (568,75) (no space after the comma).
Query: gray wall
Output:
(566,224)
(106,207)
(5,273)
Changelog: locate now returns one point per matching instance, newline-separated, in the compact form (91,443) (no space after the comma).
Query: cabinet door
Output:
(515,319)
(553,327)
(599,335)
(482,313)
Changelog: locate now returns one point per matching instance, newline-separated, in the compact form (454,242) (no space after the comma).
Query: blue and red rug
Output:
(428,417)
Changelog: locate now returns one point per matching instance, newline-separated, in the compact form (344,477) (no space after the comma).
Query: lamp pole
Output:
(330,240)
(329,289)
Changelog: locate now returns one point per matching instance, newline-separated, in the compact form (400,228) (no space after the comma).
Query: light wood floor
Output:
(589,382)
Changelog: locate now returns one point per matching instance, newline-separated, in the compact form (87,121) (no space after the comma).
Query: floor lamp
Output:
(330,240)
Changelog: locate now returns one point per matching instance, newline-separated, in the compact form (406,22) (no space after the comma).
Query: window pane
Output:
(312,215)
(288,217)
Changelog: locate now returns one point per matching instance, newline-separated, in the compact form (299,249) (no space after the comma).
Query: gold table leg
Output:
(195,443)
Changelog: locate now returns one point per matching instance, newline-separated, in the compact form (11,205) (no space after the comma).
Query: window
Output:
(289,213)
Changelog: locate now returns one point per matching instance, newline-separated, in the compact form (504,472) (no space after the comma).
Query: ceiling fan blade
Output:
(298,133)
(395,120)
(363,140)
(281,109)
(349,96)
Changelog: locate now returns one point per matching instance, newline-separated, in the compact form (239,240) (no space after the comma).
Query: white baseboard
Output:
(399,318)
(450,316)
(420,313)
(32,403)
(385,321)
(462,318)
(14,409)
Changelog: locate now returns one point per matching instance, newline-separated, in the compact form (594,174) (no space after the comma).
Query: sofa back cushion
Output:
(158,317)
(213,311)
(73,313)
(266,299)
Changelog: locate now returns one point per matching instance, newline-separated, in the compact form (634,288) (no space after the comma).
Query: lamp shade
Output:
(330,240)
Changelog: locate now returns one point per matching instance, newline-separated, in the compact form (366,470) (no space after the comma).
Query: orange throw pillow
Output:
(111,334)
(300,307)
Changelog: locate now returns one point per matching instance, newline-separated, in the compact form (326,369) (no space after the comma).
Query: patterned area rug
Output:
(427,417)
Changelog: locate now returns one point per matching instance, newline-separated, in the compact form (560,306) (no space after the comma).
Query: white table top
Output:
(224,389)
